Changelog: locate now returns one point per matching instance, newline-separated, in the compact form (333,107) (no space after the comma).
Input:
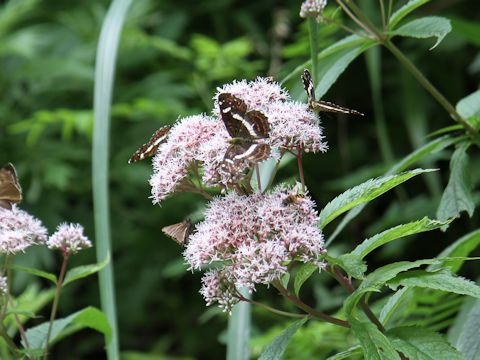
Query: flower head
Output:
(255,237)
(3,285)
(216,288)
(312,8)
(69,239)
(19,230)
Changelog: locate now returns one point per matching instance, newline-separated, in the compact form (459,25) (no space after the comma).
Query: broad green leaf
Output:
(426,27)
(460,248)
(378,278)
(84,271)
(422,344)
(439,280)
(362,193)
(302,275)
(376,345)
(89,317)
(354,350)
(457,196)
(469,107)
(39,273)
(353,265)
(394,233)
(468,340)
(406,9)
(277,347)
(392,305)
(238,333)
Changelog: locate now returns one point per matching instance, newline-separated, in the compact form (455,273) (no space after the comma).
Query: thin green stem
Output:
(382,12)
(21,330)
(300,168)
(431,89)
(389,11)
(259,180)
(269,308)
(309,310)
(11,345)
(53,313)
(313,29)
(355,19)
(365,20)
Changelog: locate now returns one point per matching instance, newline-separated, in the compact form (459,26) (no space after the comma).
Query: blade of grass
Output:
(104,76)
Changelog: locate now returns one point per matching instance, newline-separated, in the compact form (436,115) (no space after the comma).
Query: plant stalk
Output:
(313,29)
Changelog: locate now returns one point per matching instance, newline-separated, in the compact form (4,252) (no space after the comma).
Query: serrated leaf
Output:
(426,27)
(354,350)
(84,271)
(277,347)
(394,233)
(376,346)
(460,248)
(457,196)
(36,272)
(422,344)
(89,317)
(468,341)
(362,193)
(406,9)
(439,280)
(378,278)
(392,304)
(302,275)
(469,106)
(353,265)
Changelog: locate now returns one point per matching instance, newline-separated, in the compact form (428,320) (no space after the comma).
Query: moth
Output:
(246,129)
(10,189)
(179,232)
(150,147)
(320,105)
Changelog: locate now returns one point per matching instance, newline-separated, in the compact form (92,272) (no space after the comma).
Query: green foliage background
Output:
(172,56)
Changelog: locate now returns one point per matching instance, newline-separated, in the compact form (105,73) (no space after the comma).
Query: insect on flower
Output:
(150,147)
(246,128)
(320,105)
(10,189)
(179,232)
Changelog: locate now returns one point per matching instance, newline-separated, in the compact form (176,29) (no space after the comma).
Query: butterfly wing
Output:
(232,111)
(10,189)
(308,85)
(179,232)
(257,124)
(151,146)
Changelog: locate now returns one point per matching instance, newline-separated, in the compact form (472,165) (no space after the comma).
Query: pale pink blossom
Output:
(3,285)
(19,230)
(69,239)
(312,8)
(216,288)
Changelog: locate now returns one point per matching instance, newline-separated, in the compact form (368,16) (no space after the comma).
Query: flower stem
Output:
(55,302)
(259,181)
(355,19)
(300,167)
(313,29)
(382,12)
(269,308)
(430,88)
(311,311)
(19,324)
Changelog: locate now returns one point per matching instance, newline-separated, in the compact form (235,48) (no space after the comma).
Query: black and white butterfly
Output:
(320,105)
(179,232)
(150,147)
(246,129)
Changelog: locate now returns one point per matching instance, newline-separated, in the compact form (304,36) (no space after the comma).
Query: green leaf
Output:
(393,303)
(426,27)
(302,275)
(457,196)
(468,341)
(376,346)
(406,9)
(277,347)
(89,317)
(362,193)
(353,265)
(439,280)
(84,271)
(469,107)
(354,350)
(36,272)
(394,233)
(422,344)
(460,248)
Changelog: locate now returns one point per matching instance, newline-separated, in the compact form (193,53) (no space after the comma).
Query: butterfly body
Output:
(246,129)
(320,105)
(10,189)
(151,146)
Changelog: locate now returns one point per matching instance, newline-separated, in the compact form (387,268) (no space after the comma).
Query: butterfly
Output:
(245,128)
(150,147)
(10,189)
(179,232)
(320,105)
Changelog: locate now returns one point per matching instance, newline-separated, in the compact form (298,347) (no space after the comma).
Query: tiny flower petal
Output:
(216,288)
(312,8)
(69,239)
(3,285)
(19,230)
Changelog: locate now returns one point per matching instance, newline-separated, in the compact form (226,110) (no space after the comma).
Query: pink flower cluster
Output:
(312,8)
(202,140)
(69,239)
(253,238)
(19,230)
